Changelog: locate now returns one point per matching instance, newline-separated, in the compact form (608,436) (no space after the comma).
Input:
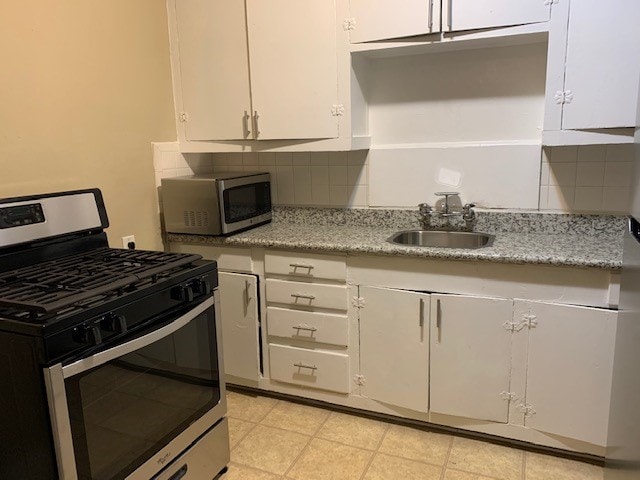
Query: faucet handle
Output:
(425,208)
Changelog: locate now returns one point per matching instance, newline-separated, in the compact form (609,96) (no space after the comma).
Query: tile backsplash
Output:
(592,178)
(336,179)
(574,179)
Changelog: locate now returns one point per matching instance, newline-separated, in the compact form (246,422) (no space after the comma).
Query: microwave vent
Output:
(193,218)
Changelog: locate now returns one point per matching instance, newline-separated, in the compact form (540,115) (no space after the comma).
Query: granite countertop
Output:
(557,248)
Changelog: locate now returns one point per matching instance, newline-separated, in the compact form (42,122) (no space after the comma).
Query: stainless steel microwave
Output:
(216,204)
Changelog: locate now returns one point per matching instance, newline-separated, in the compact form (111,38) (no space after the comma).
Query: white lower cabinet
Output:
(569,369)
(240,325)
(470,356)
(394,347)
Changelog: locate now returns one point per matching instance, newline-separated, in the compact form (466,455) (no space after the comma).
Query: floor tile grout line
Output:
(376,451)
(254,425)
(446,459)
(306,447)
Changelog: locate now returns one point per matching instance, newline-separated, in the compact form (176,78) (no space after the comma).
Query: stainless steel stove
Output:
(110,362)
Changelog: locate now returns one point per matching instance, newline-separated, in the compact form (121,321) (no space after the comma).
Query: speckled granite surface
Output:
(544,239)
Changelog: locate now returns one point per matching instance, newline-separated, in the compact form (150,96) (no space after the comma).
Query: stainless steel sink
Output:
(439,238)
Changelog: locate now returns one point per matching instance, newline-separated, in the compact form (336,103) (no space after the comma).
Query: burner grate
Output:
(72,281)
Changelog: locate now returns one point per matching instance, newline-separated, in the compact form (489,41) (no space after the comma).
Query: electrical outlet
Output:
(129,239)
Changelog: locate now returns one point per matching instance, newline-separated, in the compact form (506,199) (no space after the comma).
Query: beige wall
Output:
(85,86)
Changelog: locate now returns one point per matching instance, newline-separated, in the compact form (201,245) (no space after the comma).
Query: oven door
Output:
(245,202)
(128,411)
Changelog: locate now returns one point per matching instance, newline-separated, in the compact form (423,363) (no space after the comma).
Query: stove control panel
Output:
(19,215)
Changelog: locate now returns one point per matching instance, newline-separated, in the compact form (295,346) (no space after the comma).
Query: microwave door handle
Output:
(136,344)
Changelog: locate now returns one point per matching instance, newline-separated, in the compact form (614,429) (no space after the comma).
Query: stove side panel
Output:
(26,444)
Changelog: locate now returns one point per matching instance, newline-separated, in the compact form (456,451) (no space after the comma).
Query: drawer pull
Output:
(303,295)
(302,327)
(302,365)
(300,265)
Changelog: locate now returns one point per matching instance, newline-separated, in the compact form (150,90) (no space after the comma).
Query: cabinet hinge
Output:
(349,24)
(563,97)
(359,379)
(358,302)
(513,326)
(337,110)
(183,117)
(527,409)
(529,320)
(507,396)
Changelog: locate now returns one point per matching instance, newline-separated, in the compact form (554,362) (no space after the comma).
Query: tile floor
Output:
(274,439)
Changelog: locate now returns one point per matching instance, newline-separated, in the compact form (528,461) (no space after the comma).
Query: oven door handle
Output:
(124,348)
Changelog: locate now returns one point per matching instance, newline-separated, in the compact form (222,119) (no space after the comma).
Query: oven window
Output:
(246,201)
(123,412)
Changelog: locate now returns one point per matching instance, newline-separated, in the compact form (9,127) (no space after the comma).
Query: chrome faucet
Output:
(426,212)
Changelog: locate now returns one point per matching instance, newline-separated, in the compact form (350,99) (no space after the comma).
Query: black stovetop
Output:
(38,291)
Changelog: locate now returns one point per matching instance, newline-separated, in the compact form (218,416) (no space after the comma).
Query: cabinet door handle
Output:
(421,312)
(245,124)
(430,15)
(303,295)
(302,365)
(439,319)
(255,124)
(450,14)
(300,265)
(247,295)
(303,327)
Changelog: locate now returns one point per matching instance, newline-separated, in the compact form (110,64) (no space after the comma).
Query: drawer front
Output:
(228,258)
(310,326)
(307,294)
(323,370)
(306,265)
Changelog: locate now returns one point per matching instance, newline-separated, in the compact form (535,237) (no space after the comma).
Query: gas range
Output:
(73,310)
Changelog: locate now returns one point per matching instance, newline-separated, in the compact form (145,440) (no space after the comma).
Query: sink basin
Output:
(438,238)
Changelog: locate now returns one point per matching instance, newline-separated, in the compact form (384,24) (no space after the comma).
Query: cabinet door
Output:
(383,19)
(394,347)
(293,57)
(214,68)
(470,356)
(473,14)
(602,64)
(569,370)
(240,325)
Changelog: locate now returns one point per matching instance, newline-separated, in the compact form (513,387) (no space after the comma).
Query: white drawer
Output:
(311,368)
(306,265)
(307,294)
(310,326)
(228,258)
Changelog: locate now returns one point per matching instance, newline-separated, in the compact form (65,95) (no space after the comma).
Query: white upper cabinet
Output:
(381,19)
(592,73)
(602,65)
(460,15)
(255,70)
(394,347)
(292,53)
(214,68)
(470,356)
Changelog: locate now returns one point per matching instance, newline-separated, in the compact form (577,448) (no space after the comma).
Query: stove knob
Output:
(89,334)
(202,286)
(113,322)
(184,293)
